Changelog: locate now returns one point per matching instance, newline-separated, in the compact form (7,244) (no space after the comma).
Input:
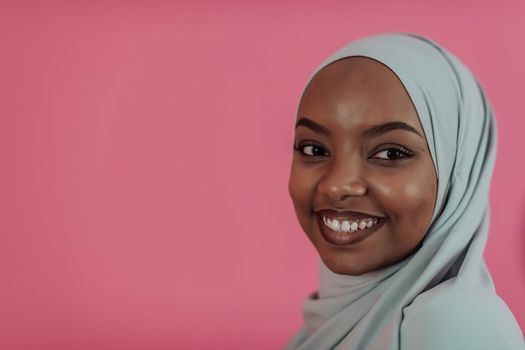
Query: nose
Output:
(345,178)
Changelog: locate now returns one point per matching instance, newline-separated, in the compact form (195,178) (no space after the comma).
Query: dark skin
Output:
(371,159)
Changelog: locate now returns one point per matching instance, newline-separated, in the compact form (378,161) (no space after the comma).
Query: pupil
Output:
(392,153)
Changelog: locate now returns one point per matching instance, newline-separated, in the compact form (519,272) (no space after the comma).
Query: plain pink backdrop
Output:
(145,149)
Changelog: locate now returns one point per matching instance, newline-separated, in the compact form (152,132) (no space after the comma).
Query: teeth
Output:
(336,225)
(349,225)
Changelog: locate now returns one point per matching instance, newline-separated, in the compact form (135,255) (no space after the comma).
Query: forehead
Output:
(357,92)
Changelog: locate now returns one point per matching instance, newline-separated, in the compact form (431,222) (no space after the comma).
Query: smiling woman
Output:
(392,192)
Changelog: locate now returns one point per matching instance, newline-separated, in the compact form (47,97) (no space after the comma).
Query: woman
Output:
(394,149)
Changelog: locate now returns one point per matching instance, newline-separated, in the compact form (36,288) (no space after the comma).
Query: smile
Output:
(349,225)
(348,228)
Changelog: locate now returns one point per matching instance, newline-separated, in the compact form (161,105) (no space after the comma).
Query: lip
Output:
(342,238)
(346,214)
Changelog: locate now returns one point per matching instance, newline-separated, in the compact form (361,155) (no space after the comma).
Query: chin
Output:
(344,267)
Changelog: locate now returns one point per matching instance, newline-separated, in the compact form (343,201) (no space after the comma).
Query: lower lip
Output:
(346,238)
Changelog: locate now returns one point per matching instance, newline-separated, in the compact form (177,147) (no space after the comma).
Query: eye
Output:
(392,153)
(310,149)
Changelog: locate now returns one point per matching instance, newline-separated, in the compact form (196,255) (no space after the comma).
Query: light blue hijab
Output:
(442,296)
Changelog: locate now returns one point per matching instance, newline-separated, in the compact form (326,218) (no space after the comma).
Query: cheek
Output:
(419,201)
(419,211)
(301,185)
(409,198)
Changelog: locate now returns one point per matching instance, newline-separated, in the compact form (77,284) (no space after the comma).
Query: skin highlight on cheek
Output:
(413,191)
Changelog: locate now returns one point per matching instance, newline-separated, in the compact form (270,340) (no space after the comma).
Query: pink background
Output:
(145,151)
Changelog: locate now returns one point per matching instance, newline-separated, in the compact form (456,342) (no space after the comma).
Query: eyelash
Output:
(299,148)
(402,150)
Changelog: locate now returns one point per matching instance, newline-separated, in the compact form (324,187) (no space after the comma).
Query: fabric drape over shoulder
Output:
(442,296)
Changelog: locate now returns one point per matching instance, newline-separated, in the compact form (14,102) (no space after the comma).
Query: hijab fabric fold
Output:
(407,305)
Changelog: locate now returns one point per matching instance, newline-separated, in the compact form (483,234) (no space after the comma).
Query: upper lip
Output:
(345,214)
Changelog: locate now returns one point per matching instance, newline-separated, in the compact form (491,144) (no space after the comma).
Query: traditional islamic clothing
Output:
(440,297)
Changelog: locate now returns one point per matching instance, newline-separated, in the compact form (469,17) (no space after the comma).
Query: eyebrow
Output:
(370,132)
(310,124)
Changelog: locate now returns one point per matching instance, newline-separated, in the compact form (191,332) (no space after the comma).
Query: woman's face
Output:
(362,181)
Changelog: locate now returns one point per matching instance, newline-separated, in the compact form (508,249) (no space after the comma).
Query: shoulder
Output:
(443,318)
